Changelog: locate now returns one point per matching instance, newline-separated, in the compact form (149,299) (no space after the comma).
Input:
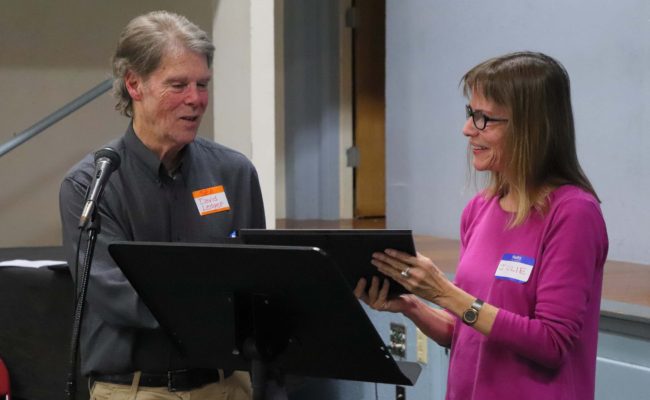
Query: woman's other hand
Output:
(377,298)
(435,323)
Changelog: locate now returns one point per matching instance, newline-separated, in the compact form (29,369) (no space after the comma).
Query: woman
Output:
(522,315)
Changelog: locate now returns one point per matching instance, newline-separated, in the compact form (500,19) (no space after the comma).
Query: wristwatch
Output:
(470,316)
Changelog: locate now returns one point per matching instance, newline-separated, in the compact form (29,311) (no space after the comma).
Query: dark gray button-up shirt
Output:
(143,202)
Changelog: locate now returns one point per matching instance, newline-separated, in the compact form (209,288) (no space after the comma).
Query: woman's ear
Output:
(133,84)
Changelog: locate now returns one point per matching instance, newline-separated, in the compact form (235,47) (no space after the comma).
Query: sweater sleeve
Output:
(574,249)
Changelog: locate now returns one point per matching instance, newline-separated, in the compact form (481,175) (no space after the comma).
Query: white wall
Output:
(232,65)
(604,46)
(51,52)
(244,87)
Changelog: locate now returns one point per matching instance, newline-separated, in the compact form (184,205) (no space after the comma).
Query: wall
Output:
(232,23)
(53,51)
(311,76)
(623,363)
(603,46)
(244,87)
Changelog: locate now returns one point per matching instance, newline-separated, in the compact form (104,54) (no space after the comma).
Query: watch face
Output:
(470,316)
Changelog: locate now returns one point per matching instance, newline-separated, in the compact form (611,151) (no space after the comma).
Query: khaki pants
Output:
(235,387)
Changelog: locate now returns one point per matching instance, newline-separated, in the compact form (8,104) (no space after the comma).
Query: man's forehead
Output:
(179,51)
(183,64)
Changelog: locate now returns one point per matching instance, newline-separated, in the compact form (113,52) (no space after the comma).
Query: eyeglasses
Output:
(479,119)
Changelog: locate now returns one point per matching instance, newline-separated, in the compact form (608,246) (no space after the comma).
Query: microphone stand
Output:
(93,229)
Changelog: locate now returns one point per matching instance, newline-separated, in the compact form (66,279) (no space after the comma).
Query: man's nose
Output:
(193,96)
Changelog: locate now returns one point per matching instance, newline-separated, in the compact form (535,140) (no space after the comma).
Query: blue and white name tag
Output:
(515,268)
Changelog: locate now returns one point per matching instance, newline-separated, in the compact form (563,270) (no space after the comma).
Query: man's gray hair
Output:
(143,44)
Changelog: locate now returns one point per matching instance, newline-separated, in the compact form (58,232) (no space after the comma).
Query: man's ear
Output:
(133,84)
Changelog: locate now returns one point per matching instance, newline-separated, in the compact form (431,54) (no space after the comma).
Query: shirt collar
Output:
(151,162)
(142,153)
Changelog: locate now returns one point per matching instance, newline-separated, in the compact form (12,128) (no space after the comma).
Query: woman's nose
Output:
(469,129)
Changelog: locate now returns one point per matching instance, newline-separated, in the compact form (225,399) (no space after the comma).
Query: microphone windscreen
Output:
(111,154)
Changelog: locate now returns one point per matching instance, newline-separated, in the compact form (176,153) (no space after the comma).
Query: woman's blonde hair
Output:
(539,150)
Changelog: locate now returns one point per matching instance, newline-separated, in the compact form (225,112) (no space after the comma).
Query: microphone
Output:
(106,161)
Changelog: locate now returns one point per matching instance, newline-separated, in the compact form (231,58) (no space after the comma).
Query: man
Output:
(162,70)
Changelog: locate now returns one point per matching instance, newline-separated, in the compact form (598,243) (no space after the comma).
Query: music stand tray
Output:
(290,305)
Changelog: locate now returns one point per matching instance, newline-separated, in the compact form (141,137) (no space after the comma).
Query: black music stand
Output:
(286,310)
(351,249)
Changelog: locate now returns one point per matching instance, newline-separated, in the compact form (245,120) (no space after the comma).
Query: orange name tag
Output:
(211,200)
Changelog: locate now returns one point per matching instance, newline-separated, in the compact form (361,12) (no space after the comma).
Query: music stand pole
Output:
(93,229)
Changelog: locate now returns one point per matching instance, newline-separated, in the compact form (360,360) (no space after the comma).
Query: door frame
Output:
(346,116)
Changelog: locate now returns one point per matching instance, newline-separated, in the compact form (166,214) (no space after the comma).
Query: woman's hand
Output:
(435,323)
(417,273)
(377,298)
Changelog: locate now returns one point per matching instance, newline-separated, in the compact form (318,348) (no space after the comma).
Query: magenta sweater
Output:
(543,342)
